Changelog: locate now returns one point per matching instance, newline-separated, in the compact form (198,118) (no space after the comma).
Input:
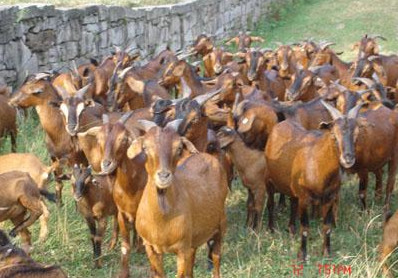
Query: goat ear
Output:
(325,125)
(355,46)
(189,146)
(136,85)
(135,148)
(246,124)
(91,132)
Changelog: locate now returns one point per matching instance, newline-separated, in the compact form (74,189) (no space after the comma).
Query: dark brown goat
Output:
(94,198)
(8,122)
(15,263)
(194,188)
(306,165)
(250,164)
(368,46)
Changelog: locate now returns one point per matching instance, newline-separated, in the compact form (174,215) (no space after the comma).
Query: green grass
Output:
(245,253)
(62,3)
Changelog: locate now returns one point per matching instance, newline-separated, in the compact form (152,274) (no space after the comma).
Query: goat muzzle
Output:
(347,160)
(163,179)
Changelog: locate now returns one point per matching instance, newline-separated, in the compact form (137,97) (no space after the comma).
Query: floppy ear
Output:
(325,125)
(91,132)
(136,85)
(135,148)
(189,146)
(245,124)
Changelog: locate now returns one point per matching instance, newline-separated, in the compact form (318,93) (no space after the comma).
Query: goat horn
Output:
(41,75)
(353,113)
(174,124)
(186,55)
(179,52)
(367,81)
(325,44)
(236,102)
(195,64)
(83,91)
(379,37)
(201,99)
(117,48)
(340,87)
(334,113)
(123,73)
(74,67)
(373,57)
(361,92)
(125,117)
(315,69)
(146,125)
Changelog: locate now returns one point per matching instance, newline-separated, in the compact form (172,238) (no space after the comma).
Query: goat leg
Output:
(379,183)
(93,231)
(270,208)
(156,262)
(363,184)
(184,263)
(115,234)
(44,222)
(293,215)
(126,248)
(35,210)
(102,223)
(282,202)
(249,206)
(327,215)
(259,200)
(24,234)
(392,169)
(304,224)
(215,254)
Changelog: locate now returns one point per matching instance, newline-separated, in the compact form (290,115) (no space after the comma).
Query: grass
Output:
(73,3)
(247,254)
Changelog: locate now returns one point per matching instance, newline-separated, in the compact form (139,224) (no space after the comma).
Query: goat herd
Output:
(287,121)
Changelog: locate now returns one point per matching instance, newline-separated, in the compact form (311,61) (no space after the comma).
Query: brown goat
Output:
(94,198)
(250,164)
(15,263)
(131,177)
(19,194)
(195,191)
(8,122)
(203,45)
(38,92)
(389,242)
(215,60)
(31,164)
(244,40)
(368,46)
(306,165)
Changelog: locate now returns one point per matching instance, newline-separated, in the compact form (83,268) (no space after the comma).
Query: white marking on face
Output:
(4,208)
(305,234)
(79,109)
(64,110)
(44,176)
(124,250)
(245,121)
(186,90)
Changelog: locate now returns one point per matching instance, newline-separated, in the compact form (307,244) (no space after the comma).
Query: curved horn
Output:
(361,92)
(323,45)
(125,117)
(186,55)
(236,102)
(174,125)
(340,87)
(145,125)
(74,68)
(353,113)
(201,99)
(379,37)
(367,81)
(315,69)
(82,91)
(334,113)
(373,57)
(41,75)
(123,73)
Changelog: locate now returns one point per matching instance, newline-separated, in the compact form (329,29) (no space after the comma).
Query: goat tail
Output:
(49,196)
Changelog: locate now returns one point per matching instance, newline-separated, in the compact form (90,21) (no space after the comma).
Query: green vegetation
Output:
(73,3)
(245,253)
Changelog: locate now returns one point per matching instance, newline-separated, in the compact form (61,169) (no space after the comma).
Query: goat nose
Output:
(164,175)
(106,163)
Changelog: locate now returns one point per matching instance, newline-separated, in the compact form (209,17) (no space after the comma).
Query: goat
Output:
(368,46)
(93,195)
(306,165)
(244,40)
(37,91)
(15,263)
(250,164)
(31,164)
(215,60)
(130,177)
(182,206)
(19,194)
(8,123)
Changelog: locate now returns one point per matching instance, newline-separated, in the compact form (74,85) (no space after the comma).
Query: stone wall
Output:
(42,37)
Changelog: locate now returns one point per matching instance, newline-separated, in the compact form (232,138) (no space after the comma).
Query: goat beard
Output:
(162,201)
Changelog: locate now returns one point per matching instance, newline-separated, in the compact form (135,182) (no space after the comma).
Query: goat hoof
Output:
(13,233)
(210,265)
